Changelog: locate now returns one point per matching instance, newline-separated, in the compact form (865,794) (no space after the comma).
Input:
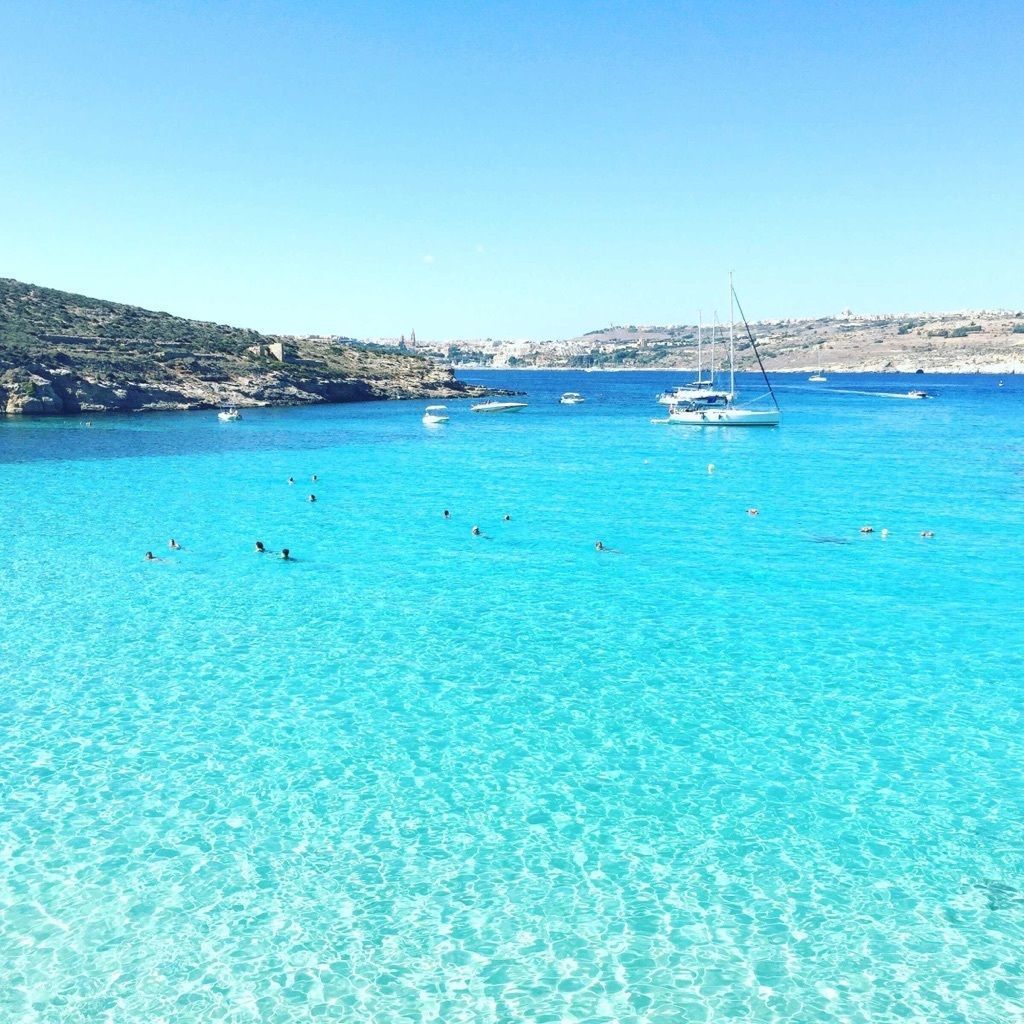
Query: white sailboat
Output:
(703,388)
(818,377)
(731,414)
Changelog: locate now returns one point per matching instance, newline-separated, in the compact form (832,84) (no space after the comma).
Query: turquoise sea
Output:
(740,768)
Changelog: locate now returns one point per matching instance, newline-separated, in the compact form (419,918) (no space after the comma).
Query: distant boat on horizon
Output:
(818,377)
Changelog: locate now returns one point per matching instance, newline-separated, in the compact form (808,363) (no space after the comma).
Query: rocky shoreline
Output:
(40,391)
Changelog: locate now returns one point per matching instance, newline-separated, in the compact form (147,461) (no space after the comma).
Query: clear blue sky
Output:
(513,169)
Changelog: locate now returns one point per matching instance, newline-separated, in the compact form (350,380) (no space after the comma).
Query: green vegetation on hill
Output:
(67,353)
(29,313)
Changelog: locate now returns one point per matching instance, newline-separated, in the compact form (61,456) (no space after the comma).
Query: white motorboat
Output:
(729,414)
(572,398)
(917,393)
(229,415)
(497,407)
(435,414)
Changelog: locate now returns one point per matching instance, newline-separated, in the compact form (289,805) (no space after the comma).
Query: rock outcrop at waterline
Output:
(62,354)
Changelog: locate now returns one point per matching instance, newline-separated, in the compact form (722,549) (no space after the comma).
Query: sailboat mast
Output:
(732,318)
(714,327)
(700,363)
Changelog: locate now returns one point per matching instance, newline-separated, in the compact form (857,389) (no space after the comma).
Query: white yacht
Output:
(730,414)
(497,407)
(572,398)
(702,390)
(229,415)
(435,414)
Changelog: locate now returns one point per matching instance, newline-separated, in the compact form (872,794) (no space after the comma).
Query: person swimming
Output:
(867,529)
(312,497)
(447,514)
(291,480)
(598,546)
(927,533)
(506,518)
(260,549)
(173,545)
(753,512)
(286,554)
(476,531)
(150,557)
(314,478)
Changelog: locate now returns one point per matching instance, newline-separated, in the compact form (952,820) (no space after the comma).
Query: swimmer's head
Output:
(507,518)
(259,547)
(447,514)
(150,557)
(476,531)
(312,497)
(286,554)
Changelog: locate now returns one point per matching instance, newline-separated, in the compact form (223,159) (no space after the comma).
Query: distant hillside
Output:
(979,342)
(66,353)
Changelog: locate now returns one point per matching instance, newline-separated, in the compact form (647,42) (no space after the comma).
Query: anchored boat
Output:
(700,414)
(435,414)
(497,407)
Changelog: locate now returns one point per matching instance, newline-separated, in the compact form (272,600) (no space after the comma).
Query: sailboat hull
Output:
(726,417)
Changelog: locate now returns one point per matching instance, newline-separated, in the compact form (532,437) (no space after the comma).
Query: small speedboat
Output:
(917,393)
(435,414)
(497,407)
(572,398)
(229,415)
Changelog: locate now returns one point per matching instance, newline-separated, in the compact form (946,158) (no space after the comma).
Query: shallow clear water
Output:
(739,768)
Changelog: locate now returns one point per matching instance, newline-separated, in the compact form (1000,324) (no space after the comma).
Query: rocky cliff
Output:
(62,353)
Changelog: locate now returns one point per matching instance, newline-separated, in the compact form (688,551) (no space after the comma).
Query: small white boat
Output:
(229,415)
(572,398)
(917,393)
(497,407)
(435,414)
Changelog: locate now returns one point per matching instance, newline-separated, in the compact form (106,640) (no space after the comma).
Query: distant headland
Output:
(970,342)
(62,353)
